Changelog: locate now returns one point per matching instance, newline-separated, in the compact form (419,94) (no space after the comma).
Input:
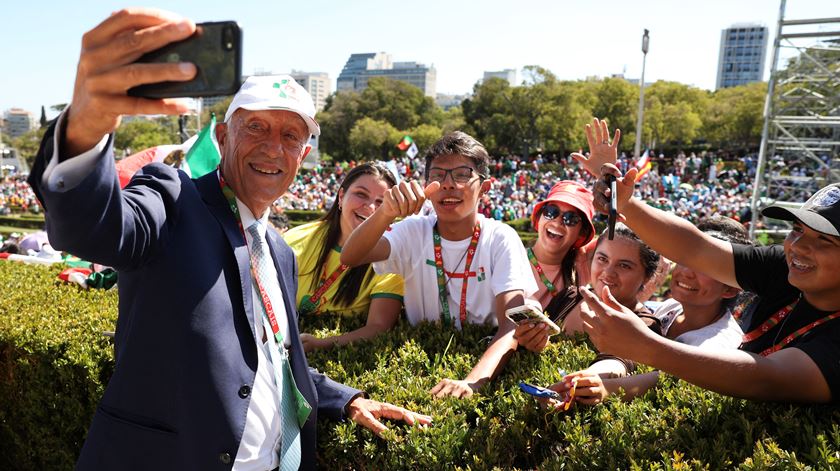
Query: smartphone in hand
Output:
(216,50)
(529,313)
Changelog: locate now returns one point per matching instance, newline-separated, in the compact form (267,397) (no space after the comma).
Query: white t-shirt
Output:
(722,333)
(500,264)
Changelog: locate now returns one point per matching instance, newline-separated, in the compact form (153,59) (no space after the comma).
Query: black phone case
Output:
(216,51)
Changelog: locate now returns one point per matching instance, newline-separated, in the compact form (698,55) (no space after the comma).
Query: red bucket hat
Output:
(575,195)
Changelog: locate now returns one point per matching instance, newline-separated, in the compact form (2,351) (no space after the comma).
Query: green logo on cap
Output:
(277,85)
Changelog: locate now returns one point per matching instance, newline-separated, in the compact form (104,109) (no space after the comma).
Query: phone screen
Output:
(216,50)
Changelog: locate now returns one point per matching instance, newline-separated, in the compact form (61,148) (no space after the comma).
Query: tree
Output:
(424,136)
(44,121)
(371,139)
(138,134)
(673,113)
(401,105)
(735,116)
(617,102)
(27,145)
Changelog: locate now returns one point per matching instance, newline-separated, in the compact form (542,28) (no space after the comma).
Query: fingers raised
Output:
(127,19)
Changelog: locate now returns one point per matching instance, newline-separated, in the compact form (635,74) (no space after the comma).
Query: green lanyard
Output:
(548,284)
(303,407)
(443,294)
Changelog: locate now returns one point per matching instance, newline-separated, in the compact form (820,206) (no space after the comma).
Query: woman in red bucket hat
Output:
(563,221)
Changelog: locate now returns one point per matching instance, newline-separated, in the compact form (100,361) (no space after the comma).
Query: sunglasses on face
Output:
(569,218)
(460,175)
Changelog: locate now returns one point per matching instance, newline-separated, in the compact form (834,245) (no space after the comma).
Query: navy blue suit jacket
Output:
(185,347)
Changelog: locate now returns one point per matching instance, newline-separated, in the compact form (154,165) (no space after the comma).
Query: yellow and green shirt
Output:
(306,242)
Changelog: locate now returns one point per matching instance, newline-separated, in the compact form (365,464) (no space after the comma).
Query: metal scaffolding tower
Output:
(800,140)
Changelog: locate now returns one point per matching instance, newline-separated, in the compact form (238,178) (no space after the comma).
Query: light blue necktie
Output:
(290,454)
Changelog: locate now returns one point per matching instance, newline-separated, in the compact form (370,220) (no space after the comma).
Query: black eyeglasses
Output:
(460,175)
(570,218)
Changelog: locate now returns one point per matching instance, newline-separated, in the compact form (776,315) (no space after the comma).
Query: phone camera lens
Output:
(227,38)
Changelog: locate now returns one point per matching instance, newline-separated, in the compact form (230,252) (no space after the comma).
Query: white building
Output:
(318,85)
(506,74)
(18,122)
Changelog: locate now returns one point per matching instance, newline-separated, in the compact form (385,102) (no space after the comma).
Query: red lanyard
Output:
(309,304)
(442,292)
(774,320)
(269,309)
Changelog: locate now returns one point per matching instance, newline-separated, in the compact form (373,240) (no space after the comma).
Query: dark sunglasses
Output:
(570,218)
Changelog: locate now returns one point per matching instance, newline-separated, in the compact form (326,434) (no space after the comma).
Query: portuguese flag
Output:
(405,143)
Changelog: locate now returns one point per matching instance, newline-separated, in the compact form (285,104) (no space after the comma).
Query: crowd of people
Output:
(16,195)
(517,184)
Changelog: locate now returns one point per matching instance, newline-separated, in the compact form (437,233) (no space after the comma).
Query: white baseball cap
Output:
(275,92)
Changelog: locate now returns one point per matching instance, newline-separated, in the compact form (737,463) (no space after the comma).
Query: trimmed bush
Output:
(54,362)
(302,215)
(28,222)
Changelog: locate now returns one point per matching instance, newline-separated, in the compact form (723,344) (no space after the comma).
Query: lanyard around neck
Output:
(266,301)
(548,284)
(774,320)
(443,294)
(310,304)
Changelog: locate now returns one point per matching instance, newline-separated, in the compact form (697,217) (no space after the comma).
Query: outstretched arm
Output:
(786,375)
(675,238)
(493,359)
(366,244)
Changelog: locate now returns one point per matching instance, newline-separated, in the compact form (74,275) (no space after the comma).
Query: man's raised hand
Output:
(407,198)
(107,70)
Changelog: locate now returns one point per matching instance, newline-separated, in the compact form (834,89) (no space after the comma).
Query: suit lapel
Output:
(211,191)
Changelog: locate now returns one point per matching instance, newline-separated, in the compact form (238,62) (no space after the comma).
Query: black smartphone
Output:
(216,50)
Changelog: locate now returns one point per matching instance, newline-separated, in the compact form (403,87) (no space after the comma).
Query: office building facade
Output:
(743,49)
(18,122)
(318,85)
(360,68)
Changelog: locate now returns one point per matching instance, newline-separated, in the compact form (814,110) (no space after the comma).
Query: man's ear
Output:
(221,134)
(730,292)
(485,186)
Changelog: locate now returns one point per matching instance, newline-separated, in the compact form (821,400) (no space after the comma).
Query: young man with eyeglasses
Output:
(459,267)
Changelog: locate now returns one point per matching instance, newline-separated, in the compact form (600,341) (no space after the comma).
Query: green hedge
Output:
(54,360)
(24,222)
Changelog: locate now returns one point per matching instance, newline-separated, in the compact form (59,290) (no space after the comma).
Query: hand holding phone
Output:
(216,50)
(529,313)
(107,69)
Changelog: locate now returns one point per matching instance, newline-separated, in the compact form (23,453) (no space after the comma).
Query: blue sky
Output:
(574,39)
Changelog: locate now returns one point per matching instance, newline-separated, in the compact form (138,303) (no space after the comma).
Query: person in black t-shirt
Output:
(791,349)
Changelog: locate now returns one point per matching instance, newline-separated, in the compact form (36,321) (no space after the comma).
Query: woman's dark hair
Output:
(724,228)
(351,281)
(648,257)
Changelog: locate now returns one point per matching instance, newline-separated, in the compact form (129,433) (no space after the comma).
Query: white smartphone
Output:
(529,313)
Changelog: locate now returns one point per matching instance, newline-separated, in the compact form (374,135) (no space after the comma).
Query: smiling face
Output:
(554,238)
(617,264)
(360,200)
(692,288)
(261,153)
(456,202)
(813,260)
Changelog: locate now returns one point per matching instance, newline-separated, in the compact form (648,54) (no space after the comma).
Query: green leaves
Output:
(54,363)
